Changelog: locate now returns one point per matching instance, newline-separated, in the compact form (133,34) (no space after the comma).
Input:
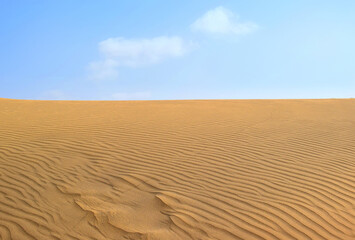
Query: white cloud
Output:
(121,52)
(142,51)
(131,96)
(103,70)
(222,21)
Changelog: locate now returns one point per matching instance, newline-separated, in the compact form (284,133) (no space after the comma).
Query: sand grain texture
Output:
(213,169)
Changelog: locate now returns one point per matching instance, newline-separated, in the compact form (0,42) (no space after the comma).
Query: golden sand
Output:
(209,169)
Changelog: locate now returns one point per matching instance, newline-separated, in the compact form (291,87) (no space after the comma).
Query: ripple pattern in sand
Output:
(268,169)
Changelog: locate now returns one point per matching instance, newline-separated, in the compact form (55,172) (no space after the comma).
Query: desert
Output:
(188,169)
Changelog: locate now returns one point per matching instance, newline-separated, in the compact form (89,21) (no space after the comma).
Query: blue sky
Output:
(125,50)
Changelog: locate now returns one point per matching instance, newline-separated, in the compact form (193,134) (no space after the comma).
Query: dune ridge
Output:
(226,169)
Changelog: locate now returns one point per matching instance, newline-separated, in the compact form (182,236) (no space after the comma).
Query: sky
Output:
(158,50)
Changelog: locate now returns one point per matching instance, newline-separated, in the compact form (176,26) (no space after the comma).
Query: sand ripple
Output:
(247,169)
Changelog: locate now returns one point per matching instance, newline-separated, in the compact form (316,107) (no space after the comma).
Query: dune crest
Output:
(211,169)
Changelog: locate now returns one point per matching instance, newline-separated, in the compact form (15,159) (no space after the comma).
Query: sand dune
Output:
(213,169)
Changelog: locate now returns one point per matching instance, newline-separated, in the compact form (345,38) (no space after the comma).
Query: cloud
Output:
(121,52)
(135,52)
(222,21)
(103,70)
(132,96)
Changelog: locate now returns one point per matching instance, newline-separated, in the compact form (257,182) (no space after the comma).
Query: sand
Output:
(208,169)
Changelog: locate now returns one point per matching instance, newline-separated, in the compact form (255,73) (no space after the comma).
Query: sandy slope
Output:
(247,169)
